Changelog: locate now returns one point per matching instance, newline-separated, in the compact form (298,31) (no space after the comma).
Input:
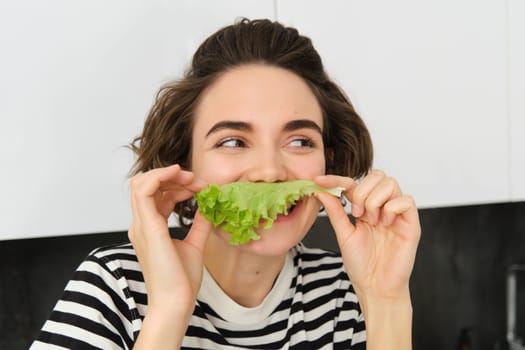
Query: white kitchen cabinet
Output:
(430,80)
(517,97)
(77,80)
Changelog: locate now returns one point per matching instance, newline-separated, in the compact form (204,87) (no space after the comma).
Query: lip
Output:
(290,216)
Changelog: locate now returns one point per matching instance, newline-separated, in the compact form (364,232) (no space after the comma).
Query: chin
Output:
(286,232)
(270,245)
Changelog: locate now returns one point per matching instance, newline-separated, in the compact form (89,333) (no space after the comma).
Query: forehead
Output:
(258,94)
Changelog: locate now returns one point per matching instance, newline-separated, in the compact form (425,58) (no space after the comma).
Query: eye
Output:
(231,142)
(302,142)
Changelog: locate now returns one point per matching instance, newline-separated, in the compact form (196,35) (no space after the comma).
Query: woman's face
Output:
(261,123)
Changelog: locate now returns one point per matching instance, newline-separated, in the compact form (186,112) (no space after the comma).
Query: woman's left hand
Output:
(379,250)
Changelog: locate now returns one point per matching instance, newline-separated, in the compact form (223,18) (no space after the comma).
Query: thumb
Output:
(338,217)
(199,232)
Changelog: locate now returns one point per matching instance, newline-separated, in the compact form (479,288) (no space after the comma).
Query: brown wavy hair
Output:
(167,135)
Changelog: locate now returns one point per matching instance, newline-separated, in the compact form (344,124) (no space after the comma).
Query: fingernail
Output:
(320,177)
(357,210)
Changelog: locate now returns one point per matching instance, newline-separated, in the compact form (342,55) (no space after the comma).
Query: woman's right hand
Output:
(172,268)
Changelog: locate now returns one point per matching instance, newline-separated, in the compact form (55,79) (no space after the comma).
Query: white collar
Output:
(211,294)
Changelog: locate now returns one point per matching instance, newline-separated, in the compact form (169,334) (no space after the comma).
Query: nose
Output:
(267,166)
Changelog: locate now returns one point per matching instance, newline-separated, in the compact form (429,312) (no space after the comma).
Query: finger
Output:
(199,232)
(358,194)
(167,203)
(160,189)
(180,180)
(174,197)
(164,179)
(338,217)
(404,207)
(146,184)
(384,191)
(330,181)
(149,210)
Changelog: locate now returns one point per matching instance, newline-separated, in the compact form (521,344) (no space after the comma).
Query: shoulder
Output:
(100,307)
(112,273)
(317,268)
(314,259)
(115,263)
(325,291)
(302,249)
(114,252)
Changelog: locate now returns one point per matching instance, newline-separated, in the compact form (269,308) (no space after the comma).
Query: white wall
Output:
(430,80)
(76,81)
(440,84)
(516,74)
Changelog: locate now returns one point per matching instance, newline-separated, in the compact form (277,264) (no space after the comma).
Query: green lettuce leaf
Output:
(239,207)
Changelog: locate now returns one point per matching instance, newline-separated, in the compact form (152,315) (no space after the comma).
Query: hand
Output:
(172,268)
(379,251)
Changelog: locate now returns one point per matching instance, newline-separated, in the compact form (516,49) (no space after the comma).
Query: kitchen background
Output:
(441,85)
(458,280)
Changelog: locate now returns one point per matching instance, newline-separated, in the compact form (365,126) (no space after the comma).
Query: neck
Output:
(245,277)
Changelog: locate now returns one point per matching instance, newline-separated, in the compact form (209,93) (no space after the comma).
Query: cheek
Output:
(309,167)
(219,170)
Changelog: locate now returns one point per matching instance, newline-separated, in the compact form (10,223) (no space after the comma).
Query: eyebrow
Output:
(244,126)
(228,124)
(302,124)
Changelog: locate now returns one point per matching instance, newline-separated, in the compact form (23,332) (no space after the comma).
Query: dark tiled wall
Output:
(459,277)
(33,274)
(458,280)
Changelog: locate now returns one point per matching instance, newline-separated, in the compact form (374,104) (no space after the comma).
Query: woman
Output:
(257,106)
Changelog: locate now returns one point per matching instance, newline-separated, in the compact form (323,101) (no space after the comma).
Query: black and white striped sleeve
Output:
(96,310)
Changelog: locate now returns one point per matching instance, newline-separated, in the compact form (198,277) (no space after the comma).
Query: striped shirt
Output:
(312,305)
